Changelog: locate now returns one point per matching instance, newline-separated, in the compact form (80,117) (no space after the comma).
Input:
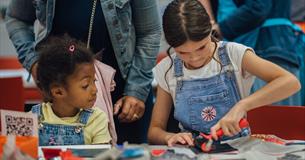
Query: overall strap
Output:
(223,55)
(84,115)
(178,72)
(178,67)
(37,109)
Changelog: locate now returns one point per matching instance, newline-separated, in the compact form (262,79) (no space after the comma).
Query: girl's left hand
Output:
(180,138)
(230,122)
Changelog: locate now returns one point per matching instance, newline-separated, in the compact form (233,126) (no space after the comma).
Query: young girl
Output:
(208,82)
(66,76)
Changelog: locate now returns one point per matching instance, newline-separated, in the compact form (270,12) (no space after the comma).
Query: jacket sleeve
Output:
(20,17)
(147,25)
(247,17)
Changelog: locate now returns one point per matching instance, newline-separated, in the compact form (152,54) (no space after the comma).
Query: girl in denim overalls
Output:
(66,76)
(208,82)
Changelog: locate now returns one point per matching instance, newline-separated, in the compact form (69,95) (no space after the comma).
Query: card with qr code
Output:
(18,123)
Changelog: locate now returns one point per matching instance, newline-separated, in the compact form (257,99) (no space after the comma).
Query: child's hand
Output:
(180,138)
(230,122)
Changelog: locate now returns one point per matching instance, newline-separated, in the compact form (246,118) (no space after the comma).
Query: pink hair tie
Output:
(72,48)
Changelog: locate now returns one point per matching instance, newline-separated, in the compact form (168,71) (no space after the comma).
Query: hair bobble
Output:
(72,48)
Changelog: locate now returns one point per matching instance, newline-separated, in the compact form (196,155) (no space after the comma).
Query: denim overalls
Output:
(56,134)
(201,103)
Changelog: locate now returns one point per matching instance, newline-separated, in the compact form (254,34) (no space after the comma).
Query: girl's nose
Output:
(193,56)
(94,89)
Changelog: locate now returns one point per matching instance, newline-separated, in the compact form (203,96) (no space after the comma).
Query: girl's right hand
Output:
(180,138)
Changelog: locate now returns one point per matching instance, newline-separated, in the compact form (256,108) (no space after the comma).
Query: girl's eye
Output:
(86,86)
(201,48)
(182,53)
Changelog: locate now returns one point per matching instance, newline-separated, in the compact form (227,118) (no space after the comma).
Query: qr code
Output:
(19,126)
(18,123)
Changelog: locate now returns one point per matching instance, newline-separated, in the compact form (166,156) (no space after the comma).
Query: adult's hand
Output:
(132,109)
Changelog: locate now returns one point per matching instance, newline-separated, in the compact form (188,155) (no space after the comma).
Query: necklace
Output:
(91,23)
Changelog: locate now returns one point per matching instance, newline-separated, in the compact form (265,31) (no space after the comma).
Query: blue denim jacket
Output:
(135,39)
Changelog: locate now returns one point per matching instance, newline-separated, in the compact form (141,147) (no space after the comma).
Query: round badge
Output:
(208,113)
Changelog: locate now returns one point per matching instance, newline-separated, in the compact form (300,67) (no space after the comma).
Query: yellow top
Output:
(95,131)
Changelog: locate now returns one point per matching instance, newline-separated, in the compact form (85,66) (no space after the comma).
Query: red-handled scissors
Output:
(206,146)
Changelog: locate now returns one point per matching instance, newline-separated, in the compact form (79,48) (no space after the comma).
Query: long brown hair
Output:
(185,20)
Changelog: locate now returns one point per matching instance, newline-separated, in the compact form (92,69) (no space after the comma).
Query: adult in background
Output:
(265,26)
(124,33)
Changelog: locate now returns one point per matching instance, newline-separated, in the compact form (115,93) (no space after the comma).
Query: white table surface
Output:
(64,148)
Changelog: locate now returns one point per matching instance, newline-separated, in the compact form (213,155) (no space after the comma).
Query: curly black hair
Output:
(58,59)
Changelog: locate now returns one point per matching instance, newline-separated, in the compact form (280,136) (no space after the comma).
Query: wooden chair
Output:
(12,94)
(287,122)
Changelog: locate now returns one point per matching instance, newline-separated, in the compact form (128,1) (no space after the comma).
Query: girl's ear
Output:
(57,91)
